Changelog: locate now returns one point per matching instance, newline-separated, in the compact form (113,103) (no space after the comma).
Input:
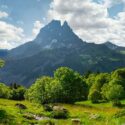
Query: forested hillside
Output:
(67,97)
(57,45)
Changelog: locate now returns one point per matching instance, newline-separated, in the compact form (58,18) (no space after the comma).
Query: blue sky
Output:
(24,13)
(24,18)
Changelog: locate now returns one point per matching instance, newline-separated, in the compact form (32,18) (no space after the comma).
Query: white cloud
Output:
(90,20)
(3,14)
(110,3)
(10,36)
(37,26)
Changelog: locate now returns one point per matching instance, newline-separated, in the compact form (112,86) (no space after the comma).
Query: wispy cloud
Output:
(3,14)
(10,35)
(37,26)
(90,20)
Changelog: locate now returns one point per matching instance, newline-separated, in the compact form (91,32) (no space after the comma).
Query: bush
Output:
(48,107)
(119,114)
(60,114)
(4,91)
(17,93)
(116,103)
(46,122)
(2,114)
(5,118)
(94,96)
(74,87)
(29,116)
(45,90)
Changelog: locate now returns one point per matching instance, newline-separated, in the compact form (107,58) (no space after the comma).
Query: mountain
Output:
(52,36)
(112,46)
(57,45)
(3,53)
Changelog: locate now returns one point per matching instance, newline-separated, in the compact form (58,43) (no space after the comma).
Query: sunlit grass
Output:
(81,110)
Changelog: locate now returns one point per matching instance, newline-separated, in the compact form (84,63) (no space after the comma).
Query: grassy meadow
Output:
(88,113)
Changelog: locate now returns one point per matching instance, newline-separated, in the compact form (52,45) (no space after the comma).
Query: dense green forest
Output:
(68,86)
(65,87)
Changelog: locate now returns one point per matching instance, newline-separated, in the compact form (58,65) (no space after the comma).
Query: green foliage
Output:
(46,122)
(100,80)
(17,92)
(87,74)
(94,96)
(5,118)
(66,86)
(95,91)
(48,107)
(118,76)
(119,114)
(12,93)
(90,80)
(116,103)
(4,91)
(113,91)
(14,86)
(1,63)
(73,86)
(60,114)
(45,90)
(3,114)
(86,112)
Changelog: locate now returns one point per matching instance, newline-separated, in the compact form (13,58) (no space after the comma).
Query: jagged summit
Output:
(55,25)
(111,45)
(57,45)
(52,36)
(55,35)
(65,24)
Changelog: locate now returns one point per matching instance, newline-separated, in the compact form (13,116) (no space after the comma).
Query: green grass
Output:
(88,113)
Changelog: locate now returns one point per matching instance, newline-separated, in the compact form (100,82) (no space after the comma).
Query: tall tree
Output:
(74,88)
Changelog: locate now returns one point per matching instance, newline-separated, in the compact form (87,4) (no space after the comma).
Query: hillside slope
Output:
(57,45)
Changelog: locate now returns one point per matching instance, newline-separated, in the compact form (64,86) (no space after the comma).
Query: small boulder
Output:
(56,108)
(59,113)
(20,106)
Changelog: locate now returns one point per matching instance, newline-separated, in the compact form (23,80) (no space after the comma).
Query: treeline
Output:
(13,91)
(68,86)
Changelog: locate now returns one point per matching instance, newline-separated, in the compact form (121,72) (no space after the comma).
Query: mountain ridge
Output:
(57,45)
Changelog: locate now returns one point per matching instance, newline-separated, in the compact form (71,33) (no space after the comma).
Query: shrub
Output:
(74,87)
(60,114)
(94,96)
(48,107)
(119,114)
(45,90)
(4,91)
(46,122)
(5,118)
(116,103)
(2,114)
(29,116)
(17,93)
